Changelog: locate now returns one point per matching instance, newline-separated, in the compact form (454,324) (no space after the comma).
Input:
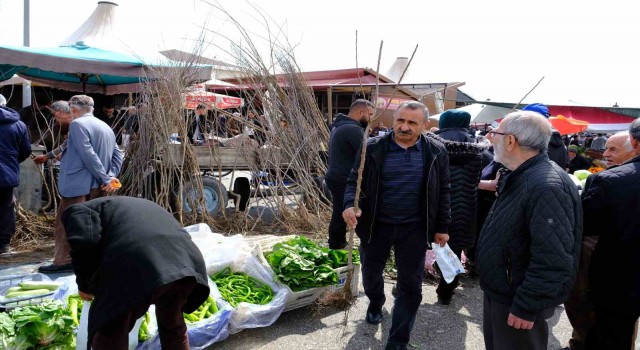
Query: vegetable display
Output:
(43,326)
(301,264)
(31,289)
(238,287)
(206,310)
(74,305)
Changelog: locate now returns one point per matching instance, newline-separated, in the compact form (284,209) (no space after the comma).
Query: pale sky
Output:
(587,50)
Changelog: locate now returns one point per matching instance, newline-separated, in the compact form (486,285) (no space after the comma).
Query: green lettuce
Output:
(43,326)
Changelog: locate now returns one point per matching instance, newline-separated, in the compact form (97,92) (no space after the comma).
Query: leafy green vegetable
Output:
(340,257)
(301,264)
(43,326)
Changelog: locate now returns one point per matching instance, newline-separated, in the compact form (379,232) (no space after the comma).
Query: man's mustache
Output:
(406,132)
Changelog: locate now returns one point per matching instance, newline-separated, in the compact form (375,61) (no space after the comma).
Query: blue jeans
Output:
(410,245)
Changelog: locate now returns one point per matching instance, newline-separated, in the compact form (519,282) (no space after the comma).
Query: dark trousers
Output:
(498,335)
(337,226)
(62,249)
(446,289)
(577,306)
(612,331)
(7,215)
(410,245)
(169,301)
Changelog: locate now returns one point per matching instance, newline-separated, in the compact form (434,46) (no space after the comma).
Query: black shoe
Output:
(391,346)
(374,316)
(444,300)
(55,268)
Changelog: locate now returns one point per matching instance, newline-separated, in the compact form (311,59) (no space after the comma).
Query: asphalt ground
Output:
(455,326)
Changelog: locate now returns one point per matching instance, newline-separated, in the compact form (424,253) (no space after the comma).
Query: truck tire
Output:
(214,196)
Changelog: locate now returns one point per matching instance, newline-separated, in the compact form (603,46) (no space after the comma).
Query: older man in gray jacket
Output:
(88,165)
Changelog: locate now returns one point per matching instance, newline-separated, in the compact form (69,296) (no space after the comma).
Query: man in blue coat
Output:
(14,148)
(90,162)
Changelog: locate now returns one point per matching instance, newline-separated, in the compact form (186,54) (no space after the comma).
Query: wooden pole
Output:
(329,105)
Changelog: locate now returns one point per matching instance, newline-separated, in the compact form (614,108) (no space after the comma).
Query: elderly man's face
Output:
(615,152)
(408,125)
(62,118)
(498,138)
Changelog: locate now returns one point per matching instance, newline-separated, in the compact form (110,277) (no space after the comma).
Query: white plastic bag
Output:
(247,315)
(448,262)
(83,333)
(217,250)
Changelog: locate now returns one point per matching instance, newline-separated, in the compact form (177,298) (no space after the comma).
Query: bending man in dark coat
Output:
(130,253)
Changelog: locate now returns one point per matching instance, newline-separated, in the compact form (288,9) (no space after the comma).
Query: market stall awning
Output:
(212,100)
(567,126)
(81,68)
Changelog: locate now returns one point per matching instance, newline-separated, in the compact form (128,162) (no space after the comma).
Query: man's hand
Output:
(350,217)
(41,159)
(85,296)
(441,238)
(112,186)
(518,323)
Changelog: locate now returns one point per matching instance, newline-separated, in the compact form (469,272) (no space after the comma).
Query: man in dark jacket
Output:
(577,161)
(611,206)
(529,247)
(557,151)
(130,253)
(345,142)
(197,125)
(405,205)
(14,149)
(465,167)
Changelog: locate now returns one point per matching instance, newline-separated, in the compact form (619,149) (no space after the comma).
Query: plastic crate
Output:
(342,280)
(12,281)
(303,298)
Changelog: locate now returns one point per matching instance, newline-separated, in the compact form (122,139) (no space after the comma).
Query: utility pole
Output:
(26,86)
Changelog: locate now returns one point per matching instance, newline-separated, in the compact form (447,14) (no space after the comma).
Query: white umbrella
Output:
(481,113)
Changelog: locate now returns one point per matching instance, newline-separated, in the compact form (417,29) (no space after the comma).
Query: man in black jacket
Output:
(611,206)
(530,243)
(197,126)
(405,205)
(130,253)
(345,142)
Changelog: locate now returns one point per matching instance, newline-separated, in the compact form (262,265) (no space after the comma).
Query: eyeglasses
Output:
(497,133)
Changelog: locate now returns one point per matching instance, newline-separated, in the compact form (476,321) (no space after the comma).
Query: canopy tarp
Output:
(481,113)
(81,68)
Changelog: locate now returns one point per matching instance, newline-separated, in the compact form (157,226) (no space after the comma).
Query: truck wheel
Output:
(214,196)
(242,188)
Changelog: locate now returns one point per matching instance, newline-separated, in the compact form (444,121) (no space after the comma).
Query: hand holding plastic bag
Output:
(448,262)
